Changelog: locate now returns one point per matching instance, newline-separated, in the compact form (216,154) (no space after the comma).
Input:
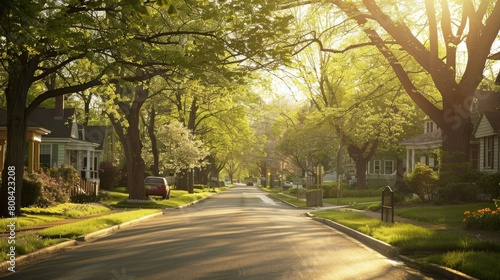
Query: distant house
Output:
(67,142)
(421,148)
(484,143)
(33,140)
(381,170)
(487,133)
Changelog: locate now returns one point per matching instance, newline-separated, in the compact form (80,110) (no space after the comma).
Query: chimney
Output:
(59,109)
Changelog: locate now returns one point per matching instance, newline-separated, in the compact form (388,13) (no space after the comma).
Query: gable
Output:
(484,128)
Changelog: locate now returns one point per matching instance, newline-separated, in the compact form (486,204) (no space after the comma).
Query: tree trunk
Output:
(456,134)
(13,171)
(135,163)
(361,161)
(130,138)
(182,180)
(16,92)
(154,144)
(361,173)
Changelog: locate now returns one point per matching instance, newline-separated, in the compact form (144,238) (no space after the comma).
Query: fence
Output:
(85,187)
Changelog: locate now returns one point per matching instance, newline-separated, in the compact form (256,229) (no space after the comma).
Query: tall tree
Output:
(431,33)
(362,105)
(201,42)
(39,41)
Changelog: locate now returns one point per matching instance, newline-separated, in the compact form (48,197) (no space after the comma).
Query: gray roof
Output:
(494,119)
(488,103)
(59,127)
(3,120)
(424,139)
(96,134)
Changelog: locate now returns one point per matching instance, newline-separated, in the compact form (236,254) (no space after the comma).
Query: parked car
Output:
(286,185)
(154,185)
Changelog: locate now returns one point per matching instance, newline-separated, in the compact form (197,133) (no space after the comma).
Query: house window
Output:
(376,166)
(388,167)
(429,128)
(474,157)
(45,155)
(488,152)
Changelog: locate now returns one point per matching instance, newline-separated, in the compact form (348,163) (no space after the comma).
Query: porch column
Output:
(2,145)
(412,160)
(36,156)
(89,166)
(408,167)
(30,156)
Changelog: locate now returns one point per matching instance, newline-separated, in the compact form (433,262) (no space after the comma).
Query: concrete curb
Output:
(105,231)
(194,202)
(379,246)
(5,265)
(446,272)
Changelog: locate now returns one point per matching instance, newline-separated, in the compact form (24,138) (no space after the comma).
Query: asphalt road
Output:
(238,234)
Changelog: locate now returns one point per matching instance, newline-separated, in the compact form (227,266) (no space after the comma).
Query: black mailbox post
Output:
(387,205)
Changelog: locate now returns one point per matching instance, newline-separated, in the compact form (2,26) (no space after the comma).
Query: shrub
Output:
(422,181)
(32,190)
(66,175)
(110,176)
(483,219)
(45,189)
(52,191)
(302,191)
(84,198)
(198,186)
(489,184)
(331,191)
(458,191)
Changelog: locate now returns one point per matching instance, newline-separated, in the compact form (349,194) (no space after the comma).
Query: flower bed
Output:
(483,219)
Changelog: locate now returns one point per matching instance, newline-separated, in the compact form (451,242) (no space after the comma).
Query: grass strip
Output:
(32,216)
(28,220)
(76,229)
(482,265)
(352,201)
(289,199)
(27,243)
(70,210)
(449,215)
(177,198)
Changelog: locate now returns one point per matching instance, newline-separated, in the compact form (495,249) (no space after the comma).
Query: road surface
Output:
(237,234)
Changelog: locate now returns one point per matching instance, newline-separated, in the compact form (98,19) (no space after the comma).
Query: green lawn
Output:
(76,229)
(352,200)
(449,215)
(32,216)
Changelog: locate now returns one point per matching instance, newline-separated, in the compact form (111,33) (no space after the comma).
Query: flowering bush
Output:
(49,188)
(483,219)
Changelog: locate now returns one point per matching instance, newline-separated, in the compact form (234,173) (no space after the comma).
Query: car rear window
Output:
(154,180)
